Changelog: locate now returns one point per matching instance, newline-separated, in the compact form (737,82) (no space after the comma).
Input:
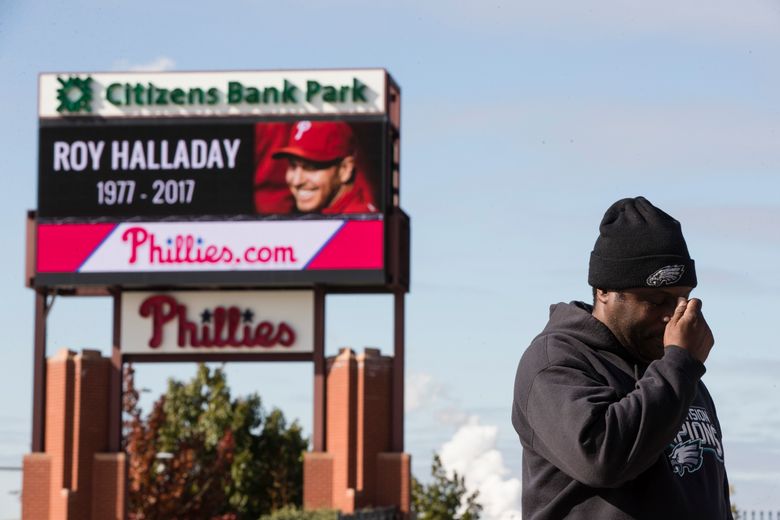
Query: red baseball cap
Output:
(318,141)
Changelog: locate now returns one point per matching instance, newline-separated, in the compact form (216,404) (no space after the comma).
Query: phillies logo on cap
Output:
(301,128)
(318,141)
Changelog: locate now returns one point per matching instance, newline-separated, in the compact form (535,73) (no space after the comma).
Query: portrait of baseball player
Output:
(317,171)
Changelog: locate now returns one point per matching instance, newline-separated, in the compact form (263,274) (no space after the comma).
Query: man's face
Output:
(638,317)
(315,185)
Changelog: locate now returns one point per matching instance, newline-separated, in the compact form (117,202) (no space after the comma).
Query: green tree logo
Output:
(75,95)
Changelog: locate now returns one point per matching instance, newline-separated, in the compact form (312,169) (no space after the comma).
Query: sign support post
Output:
(115,378)
(398,369)
(320,388)
(39,372)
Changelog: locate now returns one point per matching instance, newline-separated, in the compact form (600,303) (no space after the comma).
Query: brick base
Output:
(393,484)
(357,471)
(36,485)
(394,480)
(108,486)
(72,480)
(317,480)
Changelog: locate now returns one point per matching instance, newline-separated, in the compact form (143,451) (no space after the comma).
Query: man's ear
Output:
(346,169)
(601,296)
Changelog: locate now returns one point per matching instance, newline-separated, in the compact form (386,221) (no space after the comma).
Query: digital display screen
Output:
(295,168)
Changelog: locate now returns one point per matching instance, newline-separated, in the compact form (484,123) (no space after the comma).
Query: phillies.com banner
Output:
(210,247)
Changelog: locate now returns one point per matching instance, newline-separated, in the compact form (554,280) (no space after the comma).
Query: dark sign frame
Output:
(59,198)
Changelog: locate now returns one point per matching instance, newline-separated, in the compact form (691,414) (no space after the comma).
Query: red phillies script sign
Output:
(217,327)
(188,249)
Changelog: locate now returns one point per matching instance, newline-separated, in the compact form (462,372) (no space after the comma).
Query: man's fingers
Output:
(693,309)
(682,304)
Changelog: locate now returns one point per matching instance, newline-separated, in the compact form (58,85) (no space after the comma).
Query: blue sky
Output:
(522,122)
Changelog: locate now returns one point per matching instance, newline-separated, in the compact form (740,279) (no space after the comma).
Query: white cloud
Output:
(451,415)
(421,391)
(472,453)
(158,64)
(424,393)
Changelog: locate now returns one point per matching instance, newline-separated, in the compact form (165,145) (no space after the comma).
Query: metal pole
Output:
(320,426)
(39,374)
(115,380)
(398,370)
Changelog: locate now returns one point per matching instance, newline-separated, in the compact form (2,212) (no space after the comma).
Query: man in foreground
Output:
(608,403)
(321,172)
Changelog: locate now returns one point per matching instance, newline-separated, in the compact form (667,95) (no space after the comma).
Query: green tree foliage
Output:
(201,454)
(444,498)
(292,513)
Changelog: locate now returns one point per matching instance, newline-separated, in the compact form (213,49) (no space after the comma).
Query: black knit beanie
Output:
(639,246)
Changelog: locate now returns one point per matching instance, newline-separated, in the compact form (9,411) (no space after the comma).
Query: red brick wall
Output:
(373,419)
(356,471)
(341,427)
(36,485)
(108,486)
(59,484)
(58,437)
(317,480)
(394,480)
(90,426)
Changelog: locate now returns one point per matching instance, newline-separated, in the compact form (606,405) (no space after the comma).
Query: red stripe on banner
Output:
(358,244)
(63,248)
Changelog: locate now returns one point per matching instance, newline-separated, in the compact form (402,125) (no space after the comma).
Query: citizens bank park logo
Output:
(75,95)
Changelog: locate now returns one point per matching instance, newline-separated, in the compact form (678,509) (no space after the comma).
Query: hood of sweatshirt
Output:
(602,432)
(575,320)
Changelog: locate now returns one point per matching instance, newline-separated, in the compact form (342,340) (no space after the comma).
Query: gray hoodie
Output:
(607,437)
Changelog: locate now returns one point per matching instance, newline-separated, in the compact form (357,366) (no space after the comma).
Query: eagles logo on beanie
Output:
(639,246)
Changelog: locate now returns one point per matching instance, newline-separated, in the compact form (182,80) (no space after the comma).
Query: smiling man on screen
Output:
(321,169)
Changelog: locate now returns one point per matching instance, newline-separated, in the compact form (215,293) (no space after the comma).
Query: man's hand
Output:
(687,329)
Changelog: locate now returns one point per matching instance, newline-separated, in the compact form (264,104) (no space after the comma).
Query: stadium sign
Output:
(198,180)
(225,322)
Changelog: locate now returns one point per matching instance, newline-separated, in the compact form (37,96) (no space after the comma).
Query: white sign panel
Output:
(213,322)
(200,246)
(221,94)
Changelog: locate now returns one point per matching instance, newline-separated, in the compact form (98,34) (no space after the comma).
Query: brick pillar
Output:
(108,486)
(374,409)
(317,480)
(59,428)
(36,485)
(58,484)
(90,424)
(394,480)
(340,438)
(358,470)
